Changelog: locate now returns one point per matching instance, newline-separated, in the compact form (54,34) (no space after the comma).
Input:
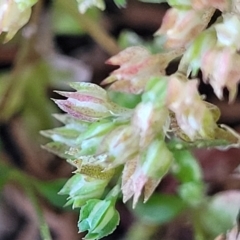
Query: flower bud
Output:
(228,32)
(156,160)
(89,103)
(12,17)
(99,218)
(81,188)
(137,64)
(181,26)
(121,145)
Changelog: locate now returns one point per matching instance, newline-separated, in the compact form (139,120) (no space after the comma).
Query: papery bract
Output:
(221,5)
(120,145)
(148,121)
(192,115)
(134,181)
(221,68)
(191,60)
(235,7)
(228,32)
(137,65)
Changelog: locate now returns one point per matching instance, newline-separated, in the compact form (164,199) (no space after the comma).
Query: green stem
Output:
(141,231)
(95,30)
(44,229)
(25,57)
(198,233)
(26,183)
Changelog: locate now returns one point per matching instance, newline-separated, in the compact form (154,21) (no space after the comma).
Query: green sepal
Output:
(81,188)
(59,149)
(62,134)
(157,159)
(156,91)
(99,218)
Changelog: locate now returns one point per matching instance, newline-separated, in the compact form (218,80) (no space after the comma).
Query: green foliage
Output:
(4,175)
(120,3)
(125,99)
(186,167)
(159,209)
(219,213)
(49,190)
(111,136)
(66,23)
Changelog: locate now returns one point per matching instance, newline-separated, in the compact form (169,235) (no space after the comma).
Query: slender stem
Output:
(44,229)
(16,84)
(27,183)
(198,233)
(141,231)
(94,29)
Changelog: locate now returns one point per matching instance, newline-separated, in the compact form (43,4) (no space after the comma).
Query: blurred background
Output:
(59,46)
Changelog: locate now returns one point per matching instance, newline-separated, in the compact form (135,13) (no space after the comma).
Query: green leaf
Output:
(192,192)
(159,209)
(219,213)
(66,23)
(186,167)
(120,3)
(125,99)
(50,189)
(4,174)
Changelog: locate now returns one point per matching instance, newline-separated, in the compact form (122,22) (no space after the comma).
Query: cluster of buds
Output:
(106,141)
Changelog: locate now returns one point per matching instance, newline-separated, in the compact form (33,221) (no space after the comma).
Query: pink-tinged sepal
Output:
(181,26)
(121,145)
(156,160)
(221,68)
(135,181)
(90,103)
(137,65)
(192,115)
(228,32)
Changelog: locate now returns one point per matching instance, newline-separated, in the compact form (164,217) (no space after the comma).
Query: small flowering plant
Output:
(132,149)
